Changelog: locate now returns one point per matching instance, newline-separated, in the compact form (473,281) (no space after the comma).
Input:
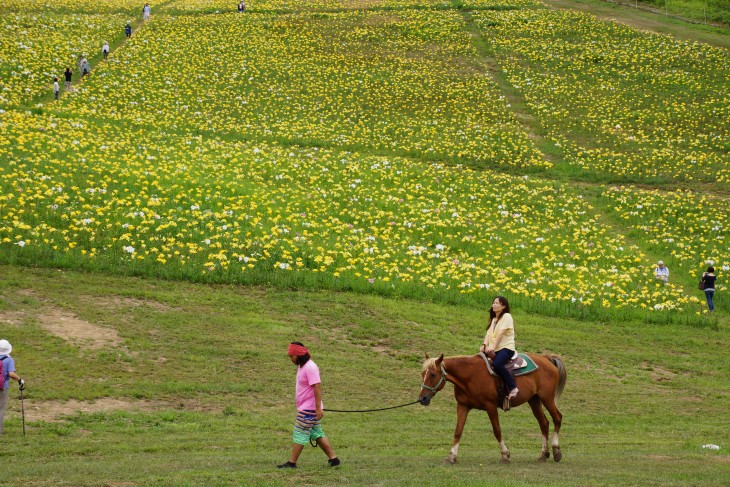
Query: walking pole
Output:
(22,409)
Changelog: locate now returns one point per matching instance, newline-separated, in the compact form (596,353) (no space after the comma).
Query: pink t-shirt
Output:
(307,377)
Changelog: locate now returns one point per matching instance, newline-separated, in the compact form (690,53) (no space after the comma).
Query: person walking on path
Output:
(128,30)
(56,88)
(499,342)
(68,74)
(8,373)
(309,407)
(105,49)
(708,279)
(86,67)
(146,11)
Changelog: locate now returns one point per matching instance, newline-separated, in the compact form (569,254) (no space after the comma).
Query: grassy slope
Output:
(640,400)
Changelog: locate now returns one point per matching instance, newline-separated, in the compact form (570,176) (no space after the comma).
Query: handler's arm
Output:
(14,376)
(318,400)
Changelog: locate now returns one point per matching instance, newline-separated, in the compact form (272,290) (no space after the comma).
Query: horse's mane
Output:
(431,362)
(428,364)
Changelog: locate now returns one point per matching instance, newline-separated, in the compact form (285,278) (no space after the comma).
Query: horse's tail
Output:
(562,375)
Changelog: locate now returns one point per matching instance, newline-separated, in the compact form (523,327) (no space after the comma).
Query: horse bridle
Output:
(435,388)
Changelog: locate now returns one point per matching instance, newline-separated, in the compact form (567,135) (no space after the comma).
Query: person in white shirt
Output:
(661,272)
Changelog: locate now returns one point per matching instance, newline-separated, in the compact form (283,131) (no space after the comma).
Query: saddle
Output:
(519,364)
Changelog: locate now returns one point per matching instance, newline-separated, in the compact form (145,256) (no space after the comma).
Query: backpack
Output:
(2,372)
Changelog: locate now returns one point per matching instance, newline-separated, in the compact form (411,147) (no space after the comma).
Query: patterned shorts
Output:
(307,428)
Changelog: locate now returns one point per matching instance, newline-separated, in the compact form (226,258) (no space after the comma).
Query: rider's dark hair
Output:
(492,314)
(301,359)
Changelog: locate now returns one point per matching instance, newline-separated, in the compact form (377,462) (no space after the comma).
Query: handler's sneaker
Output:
(287,465)
(333,462)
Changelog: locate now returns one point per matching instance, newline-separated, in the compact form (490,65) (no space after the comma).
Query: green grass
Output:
(640,400)
(703,11)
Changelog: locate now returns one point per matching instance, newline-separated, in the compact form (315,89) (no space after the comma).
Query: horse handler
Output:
(309,407)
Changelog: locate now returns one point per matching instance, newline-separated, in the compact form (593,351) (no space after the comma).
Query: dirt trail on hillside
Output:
(649,21)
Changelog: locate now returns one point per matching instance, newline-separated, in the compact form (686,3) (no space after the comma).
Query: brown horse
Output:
(475,388)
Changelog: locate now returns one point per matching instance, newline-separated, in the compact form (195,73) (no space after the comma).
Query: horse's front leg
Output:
(461,413)
(494,418)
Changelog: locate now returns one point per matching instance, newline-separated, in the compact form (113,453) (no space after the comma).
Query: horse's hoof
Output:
(557,454)
(505,461)
(542,459)
(450,460)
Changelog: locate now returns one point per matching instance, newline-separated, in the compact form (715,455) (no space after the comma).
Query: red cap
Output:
(297,350)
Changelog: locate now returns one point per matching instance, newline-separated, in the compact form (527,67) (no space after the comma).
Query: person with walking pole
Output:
(7,364)
(310,410)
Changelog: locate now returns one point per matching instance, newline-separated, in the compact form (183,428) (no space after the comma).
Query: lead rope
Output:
(361,411)
(368,410)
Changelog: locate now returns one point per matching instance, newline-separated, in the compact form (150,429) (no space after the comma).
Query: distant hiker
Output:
(708,281)
(56,88)
(80,64)
(85,67)
(68,74)
(8,372)
(105,49)
(309,407)
(241,7)
(661,272)
(128,30)
(146,11)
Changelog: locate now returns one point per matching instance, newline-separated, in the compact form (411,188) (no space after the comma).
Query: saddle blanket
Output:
(520,364)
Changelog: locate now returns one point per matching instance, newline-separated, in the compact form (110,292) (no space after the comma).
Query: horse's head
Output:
(434,379)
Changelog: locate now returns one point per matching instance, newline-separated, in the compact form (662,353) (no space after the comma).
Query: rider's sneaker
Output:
(287,465)
(333,462)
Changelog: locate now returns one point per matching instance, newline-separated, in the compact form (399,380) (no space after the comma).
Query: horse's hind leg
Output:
(461,413)
(536,405)
(557,421)
(494,418)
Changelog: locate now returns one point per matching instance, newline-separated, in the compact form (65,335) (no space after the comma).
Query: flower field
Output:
(36,47)
(424,96)
(92,7)
(222,6)
(691,229)
(627,104)
(139,203)
(367,150)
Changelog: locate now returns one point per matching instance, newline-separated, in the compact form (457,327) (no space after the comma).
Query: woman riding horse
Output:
(475,388)
(499,342)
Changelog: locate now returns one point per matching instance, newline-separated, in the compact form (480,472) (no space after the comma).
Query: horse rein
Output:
(434,389)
